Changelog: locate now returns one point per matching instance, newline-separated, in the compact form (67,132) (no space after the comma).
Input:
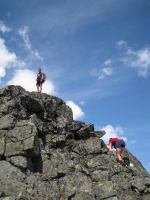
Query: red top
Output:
(113,140)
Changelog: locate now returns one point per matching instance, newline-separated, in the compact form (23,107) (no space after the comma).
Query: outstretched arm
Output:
(109,146)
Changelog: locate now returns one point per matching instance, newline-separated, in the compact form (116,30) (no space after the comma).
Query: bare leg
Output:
(40,88)
(118,155)
(37,88)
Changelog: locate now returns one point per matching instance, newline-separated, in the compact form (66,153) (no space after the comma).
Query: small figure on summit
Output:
(119,145)
(41,77)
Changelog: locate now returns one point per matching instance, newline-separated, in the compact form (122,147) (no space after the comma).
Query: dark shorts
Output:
(120,143)
(38,82)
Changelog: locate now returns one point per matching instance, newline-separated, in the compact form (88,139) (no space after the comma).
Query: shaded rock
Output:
(75,126)
(32,105)
(84,132)
(57,142)
(98,134)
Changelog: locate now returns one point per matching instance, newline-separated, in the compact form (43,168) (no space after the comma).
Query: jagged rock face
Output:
(46,155)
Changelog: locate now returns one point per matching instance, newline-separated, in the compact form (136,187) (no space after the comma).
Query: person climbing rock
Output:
(119,145)
(41,77)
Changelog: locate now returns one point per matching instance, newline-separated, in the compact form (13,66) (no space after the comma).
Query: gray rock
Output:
(21,138)
(85,132)
(98,134)
(70,185)
(11,180)
(19,161)
(104,190)
(46,155)
(7,122)
(2,141)
(92,145)
(75,126)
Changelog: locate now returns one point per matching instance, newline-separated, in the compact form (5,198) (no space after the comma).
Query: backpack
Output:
(44,76)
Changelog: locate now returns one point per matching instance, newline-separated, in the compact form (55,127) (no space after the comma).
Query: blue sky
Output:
(96,54)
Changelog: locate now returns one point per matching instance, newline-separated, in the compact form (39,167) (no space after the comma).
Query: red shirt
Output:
(113,141)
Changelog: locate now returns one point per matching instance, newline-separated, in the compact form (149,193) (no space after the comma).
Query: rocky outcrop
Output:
(46,155)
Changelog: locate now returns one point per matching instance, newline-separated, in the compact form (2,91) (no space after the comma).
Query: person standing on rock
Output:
(41,77)
(119,145)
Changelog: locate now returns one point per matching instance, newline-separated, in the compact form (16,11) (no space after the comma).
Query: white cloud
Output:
(4,28)
(113,132)
(104,72)
(139,60)
(27,79)
(77,111)
(121,43)
(23,32)
(107,62)
(37,55)
(7,58)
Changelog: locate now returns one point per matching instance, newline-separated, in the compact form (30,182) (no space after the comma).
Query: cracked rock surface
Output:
(46,155)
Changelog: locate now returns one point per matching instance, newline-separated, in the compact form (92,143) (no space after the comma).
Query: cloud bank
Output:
(113,132)
(77,111)
(7,58)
